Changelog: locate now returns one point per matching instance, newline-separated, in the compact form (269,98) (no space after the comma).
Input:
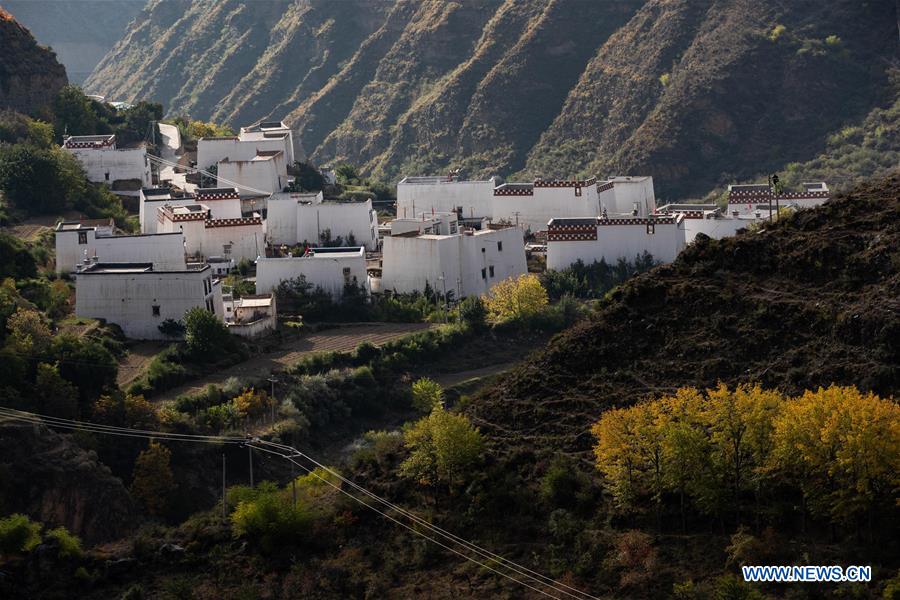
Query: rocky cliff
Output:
(81,32)
(698,92)
(53,480)
(30,75)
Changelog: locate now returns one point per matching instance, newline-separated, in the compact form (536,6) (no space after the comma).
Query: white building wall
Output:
(212,150)
(535,211)
(247,241)
(342,219)
(624,195)
(127,299)
(269,175)
(147,212)
(107,165)
(716,228)
(426,194)
(411,262)
(619,241)
(165,251)
(323,271)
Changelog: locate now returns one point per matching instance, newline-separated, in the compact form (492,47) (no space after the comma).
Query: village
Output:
(449,237)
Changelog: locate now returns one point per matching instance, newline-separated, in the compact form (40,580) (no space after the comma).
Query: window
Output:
(577,190)
(106,175)
(484,273)
(156,310)
(651,228)
(482,250)
(82,237)
(491,270)
(499,246)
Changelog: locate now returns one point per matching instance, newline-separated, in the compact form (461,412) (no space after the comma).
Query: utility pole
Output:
(293,484)
(224,504)
(273,381)
(250,452)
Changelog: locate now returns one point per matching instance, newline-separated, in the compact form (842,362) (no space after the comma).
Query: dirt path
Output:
(450,379)
(340,339)
(136,361)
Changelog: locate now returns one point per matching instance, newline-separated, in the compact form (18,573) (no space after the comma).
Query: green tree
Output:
(15,259)
(346,174)
(472,312)
(137,121)
(204,332)
(54,395)
(75,113)
(307,178)
(154,483)
(69,545)
(443,447)
(18,534)
(28,332)
(427,394)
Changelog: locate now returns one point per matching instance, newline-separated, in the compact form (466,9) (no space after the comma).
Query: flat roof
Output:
(435,179)
(134,269)
(89,138)
(628,178)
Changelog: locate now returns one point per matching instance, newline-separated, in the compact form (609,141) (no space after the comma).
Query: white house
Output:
(250,316)
(125,170)
(152,198)
(204,237)
(297,218)
(467,263)
(627,195)
(328,268)
(436,223)
(531,205)
(469,199)
(753,198)
(609,239)
(138,298)
(77,242)
(709,220)
(273,130)
(266,172)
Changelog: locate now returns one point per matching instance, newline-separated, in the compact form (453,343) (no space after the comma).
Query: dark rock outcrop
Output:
(30,75)
(51,479)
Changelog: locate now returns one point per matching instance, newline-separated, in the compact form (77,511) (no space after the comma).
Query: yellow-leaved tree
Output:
(515,298)
(842,447)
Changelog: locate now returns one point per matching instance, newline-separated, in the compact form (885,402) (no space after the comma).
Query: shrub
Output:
(427,394)
(472,312)
(69,545)
(18,534)
(271,520)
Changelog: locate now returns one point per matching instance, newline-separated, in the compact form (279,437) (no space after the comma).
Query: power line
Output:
(215,176)
(292,453)
(413,529)
(443,533)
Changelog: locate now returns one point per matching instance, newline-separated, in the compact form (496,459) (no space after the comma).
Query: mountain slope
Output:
(81,32)
(812,301)
(30,76)
(698,92)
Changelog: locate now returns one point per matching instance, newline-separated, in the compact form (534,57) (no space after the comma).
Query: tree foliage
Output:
(443,446)
(516,298)
(204,332)
(154,483)
(18,534)
(722,447)
(427,394)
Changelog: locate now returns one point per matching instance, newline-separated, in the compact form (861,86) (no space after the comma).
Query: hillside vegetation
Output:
(696,92)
